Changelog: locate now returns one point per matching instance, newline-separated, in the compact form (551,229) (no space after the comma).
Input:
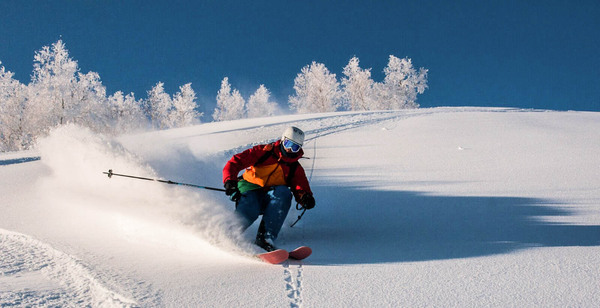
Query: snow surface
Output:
(429,207)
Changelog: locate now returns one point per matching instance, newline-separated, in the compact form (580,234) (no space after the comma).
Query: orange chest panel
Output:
(265,175)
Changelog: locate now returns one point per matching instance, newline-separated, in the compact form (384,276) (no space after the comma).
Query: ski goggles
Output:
(291,145)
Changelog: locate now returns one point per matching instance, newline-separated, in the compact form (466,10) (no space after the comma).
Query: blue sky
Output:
(530,54)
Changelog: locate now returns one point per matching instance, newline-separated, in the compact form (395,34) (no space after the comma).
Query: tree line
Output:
(59,93)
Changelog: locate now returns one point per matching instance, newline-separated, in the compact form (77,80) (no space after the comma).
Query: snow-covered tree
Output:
(317,90)
(230,103)
(13,130)
(357,87)
(259,104)
(184,107)
(93,107)
(53,86)
(60,94)
(126,113)
(158,107)
(401,85)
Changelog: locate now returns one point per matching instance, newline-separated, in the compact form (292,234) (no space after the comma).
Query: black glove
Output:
(307,201)
(232,190)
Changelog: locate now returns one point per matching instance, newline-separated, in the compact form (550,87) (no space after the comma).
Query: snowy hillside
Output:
(428,207)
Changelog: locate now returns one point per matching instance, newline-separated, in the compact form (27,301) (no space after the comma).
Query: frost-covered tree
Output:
(357,87)
(60,94)
(158,107)
(230,103)
(184,107)
(317,90)
(13,126)
(53,86)
(259,104)
(126,113)
(93,107)
(401,85)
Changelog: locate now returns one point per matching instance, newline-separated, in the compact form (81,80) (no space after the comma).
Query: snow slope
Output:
(429,207)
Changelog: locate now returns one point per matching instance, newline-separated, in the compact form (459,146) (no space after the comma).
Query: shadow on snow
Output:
(356,226)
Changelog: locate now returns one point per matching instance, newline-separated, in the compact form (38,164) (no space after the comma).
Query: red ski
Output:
(300,253)
(274,257)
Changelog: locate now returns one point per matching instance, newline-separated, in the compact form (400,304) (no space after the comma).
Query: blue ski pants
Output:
(273,204)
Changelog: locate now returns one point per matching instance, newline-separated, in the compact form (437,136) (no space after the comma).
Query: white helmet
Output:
(294,134)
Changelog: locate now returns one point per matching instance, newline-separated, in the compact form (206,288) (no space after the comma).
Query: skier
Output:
(272,176)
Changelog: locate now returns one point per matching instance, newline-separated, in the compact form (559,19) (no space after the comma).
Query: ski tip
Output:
(274,257)
(300,253)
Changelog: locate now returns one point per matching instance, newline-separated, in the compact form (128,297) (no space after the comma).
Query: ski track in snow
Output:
(67,282)
(292,275)
(337,122)
(315,128)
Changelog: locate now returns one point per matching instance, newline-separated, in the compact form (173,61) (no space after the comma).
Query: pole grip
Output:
(109,173)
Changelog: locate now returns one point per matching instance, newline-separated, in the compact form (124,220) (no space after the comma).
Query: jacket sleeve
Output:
(299,184)
(241,161)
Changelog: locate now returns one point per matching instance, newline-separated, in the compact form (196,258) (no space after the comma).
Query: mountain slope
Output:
(435,207)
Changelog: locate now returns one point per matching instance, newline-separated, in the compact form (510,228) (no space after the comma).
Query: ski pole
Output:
(110,174)
(299,207)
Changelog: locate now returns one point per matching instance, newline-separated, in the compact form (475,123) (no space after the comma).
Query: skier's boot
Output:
(262,240)
(266,244)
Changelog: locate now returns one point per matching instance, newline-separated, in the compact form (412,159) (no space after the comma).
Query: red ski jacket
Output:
(265,165)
